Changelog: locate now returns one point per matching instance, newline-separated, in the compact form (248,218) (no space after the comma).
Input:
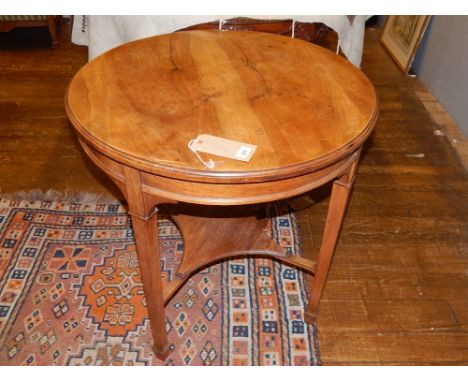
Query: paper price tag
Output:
(222,147)
(243,152)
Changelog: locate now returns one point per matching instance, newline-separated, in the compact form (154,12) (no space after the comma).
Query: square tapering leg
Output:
(335,216)
(145,227)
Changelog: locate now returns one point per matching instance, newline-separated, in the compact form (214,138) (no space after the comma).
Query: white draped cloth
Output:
(102,33)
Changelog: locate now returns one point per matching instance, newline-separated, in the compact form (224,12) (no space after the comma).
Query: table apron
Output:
(189,191)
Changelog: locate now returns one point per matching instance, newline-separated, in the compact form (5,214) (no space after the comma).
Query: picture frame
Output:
(401,36)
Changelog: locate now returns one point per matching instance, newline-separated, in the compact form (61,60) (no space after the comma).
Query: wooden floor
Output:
(398,289)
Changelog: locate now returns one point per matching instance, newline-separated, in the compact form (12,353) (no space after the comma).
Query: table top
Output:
(143,102)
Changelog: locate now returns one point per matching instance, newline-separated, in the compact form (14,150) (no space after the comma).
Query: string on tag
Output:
(293,28)
(209,164)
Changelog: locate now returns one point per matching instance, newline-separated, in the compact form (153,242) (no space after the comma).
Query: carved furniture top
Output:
(142,102)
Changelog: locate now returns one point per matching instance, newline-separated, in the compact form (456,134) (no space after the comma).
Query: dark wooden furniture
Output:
(7,23)
(311,32)
(136,107)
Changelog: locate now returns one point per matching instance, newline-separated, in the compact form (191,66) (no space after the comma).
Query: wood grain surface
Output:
(143,102)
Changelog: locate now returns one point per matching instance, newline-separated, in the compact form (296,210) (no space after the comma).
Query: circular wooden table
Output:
(136,108)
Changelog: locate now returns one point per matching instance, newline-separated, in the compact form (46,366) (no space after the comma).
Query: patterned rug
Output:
(71,294)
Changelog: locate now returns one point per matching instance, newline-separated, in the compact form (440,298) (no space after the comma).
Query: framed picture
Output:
(401,36)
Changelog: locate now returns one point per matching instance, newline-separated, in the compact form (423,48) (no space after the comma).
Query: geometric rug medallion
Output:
(71,294)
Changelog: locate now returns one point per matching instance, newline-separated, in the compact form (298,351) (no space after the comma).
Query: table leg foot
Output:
(310,317)
(161,353)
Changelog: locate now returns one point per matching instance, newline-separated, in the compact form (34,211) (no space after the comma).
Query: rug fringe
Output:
(59,196)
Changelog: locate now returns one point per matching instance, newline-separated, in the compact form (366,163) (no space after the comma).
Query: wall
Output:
(442,64)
